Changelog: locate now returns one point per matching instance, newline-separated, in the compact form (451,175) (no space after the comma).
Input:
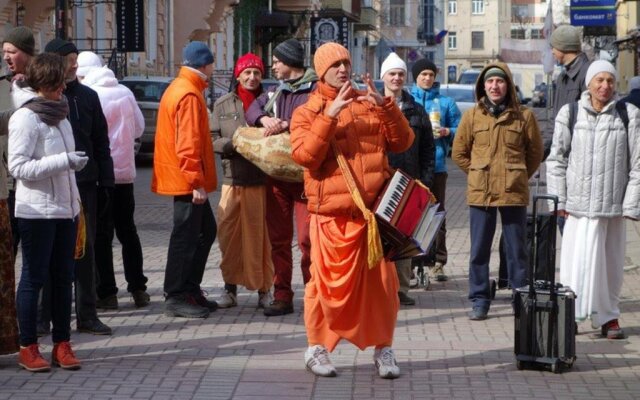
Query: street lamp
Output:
(20,12)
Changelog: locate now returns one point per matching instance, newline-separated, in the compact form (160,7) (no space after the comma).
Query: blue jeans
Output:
(482,228)
(48,247)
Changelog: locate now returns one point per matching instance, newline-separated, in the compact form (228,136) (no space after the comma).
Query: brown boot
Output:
(64,357)
(278,307)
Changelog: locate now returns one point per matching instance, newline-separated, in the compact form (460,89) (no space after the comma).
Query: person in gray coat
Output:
(594,169)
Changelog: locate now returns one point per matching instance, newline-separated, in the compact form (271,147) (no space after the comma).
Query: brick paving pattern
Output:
(239,354)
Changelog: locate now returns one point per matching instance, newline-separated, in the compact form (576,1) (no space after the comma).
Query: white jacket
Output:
(124,119)
(596,173)
(46,184)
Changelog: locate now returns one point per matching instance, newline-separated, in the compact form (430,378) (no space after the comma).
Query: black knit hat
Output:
(421,65)
(291,53)
(60,47)
(22,38)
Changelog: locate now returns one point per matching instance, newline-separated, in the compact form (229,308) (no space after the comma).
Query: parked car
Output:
(148,92)
(469,77)
(463,95)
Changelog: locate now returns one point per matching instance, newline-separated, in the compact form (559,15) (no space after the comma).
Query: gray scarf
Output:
(51,112)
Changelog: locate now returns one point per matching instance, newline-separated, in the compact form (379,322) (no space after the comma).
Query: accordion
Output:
(408,217)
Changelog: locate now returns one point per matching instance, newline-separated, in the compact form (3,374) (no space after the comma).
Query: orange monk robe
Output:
(344,298)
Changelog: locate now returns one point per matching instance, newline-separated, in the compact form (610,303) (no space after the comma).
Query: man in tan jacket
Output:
(498,145)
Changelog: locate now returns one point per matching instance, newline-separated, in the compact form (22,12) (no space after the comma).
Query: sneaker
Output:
(202,301)
(108,303)
(405,300)
(63,356)
(30,359)
(95,327)
(386,365)
(316,359)
(612,330)
(437,272)
(478,314)
(278,307)
(184,307)
(264,299)
(227,300)
(141,298)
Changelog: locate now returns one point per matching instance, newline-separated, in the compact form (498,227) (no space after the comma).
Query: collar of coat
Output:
(194,77)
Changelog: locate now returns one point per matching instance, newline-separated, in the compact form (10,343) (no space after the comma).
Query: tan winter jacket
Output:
(499,155)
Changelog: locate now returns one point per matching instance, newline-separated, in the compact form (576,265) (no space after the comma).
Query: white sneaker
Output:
(264,299)
(386,365)
(316,358)
(227,300)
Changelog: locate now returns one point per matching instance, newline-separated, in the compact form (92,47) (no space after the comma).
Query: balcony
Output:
(368,19)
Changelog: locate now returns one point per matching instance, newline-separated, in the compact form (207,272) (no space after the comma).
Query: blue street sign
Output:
(593,3)
(603,16)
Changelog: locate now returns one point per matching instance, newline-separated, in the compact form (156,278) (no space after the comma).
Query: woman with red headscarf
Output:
(242,230)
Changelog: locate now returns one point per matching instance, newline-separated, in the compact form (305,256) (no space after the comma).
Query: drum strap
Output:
(374,244)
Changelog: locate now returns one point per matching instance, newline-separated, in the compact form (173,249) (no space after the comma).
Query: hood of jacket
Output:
(21,93)
(100,77)
(512,97)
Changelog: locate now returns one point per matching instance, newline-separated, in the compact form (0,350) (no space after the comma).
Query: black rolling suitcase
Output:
(545,330)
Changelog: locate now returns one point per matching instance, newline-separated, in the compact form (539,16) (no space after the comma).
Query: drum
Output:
(272,154)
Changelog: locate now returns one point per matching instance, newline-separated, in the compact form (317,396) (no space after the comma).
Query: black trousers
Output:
(118,217)
(193,234)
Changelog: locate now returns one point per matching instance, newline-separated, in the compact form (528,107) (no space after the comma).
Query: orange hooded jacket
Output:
(183,157)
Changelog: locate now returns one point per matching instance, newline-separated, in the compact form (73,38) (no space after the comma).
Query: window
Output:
(536,34)
(477,40)
(477,6)
(452,41)
(396,13)
(517,33)
(453,6)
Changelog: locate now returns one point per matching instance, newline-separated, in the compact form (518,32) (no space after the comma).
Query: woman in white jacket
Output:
(126,123)
(43,160)
(595,172)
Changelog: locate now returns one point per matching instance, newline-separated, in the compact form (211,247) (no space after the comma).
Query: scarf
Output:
(247,96)
(51,112)
(494,109)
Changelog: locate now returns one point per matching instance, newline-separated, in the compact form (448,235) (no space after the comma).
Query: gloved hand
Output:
(77,160)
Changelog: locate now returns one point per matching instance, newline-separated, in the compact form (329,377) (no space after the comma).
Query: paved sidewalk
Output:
(240,354)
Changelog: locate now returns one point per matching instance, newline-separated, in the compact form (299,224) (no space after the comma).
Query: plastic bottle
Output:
(434,117)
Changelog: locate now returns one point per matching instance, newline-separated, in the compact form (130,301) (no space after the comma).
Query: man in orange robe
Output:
(348,297)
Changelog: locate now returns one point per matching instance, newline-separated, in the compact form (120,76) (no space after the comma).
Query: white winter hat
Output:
(599,66)
(392,62)
(87,61)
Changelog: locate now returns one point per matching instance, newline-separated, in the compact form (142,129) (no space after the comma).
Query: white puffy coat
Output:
(124,118)
(596,173)
(46,184)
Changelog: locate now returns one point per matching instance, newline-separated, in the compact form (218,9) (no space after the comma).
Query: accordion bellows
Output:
(272,154)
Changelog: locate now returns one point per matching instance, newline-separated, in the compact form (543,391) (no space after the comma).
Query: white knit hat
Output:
(392,62)
(600,66)
(87,61)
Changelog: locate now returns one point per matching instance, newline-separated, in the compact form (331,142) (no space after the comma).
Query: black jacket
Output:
(90,133)
(419,160)
(633,98)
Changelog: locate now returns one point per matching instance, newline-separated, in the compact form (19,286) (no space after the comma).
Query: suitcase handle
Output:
(533,256)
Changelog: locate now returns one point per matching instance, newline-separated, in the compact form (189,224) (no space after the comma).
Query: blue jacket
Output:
(449,118)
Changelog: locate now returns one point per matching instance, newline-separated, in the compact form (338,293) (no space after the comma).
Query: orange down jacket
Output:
(363,132)
(183,157)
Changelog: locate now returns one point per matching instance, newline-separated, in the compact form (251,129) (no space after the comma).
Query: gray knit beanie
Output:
(22,38)
(291,53)
(566,38)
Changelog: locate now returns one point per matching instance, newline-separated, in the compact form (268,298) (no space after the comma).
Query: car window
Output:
(459,94)
(147,91)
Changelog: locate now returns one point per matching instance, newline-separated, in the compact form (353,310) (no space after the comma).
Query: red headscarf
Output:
(248,60)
